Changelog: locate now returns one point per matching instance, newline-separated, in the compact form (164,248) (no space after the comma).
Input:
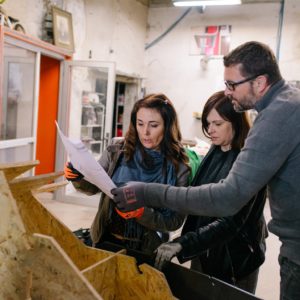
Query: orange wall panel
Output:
(47,114)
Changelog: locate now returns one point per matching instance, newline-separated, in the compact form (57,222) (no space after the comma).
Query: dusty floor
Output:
(77,216)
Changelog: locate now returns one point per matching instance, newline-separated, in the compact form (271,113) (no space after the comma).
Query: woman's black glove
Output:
(71,173)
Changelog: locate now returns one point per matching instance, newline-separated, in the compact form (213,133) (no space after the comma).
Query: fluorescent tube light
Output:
(205,2)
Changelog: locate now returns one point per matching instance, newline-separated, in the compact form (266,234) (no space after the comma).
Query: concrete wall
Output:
(172,70)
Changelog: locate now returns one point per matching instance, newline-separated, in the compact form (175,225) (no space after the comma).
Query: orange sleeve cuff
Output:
(131,214)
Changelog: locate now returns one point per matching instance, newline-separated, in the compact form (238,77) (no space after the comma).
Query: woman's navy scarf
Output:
(157,169)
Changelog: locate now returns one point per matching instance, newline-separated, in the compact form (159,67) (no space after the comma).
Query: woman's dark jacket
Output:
(228,248)
(107,220)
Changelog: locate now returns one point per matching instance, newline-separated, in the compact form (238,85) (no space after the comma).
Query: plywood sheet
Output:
(11,171)
(40,258)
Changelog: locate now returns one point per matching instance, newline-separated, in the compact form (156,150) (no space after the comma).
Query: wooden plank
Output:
(10,221)
(29,183)
(37,219)
(88,269)
(14,243)
(42,271)
(54,275)
(144,282)
(50,187)
(102,276)
(13,276)
(12,170)
(34,264)
(155,282)
(118,277)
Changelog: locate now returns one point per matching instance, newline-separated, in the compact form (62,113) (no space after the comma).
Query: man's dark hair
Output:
(256,59)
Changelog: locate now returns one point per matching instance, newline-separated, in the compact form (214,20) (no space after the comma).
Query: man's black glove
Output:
(129,197)
(71,173)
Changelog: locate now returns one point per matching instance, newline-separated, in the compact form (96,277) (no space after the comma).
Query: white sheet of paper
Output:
(86,164)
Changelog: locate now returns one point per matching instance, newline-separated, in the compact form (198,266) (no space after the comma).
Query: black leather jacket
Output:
(228,248)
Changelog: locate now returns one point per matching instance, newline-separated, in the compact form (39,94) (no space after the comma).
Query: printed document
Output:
(86,164)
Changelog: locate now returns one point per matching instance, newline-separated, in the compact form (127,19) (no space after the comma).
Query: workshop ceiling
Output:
(165,3)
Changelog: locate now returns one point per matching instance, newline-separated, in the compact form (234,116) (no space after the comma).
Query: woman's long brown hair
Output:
(171,145)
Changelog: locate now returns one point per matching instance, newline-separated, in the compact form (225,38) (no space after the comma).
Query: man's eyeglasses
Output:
(231,84)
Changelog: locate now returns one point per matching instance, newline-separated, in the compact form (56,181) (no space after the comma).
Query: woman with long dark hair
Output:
(150,152)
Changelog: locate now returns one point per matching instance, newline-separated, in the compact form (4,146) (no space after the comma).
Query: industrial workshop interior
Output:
(71,73)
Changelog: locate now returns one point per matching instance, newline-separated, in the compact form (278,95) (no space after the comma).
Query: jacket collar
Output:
(269,96)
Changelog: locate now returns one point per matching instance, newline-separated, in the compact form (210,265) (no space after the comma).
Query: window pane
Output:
(16,154)
(89,94)
(18,99)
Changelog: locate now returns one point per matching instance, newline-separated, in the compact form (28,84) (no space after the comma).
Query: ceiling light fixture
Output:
(206,2)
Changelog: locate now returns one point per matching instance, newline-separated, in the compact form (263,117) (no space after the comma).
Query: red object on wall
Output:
(213,48)
(119,132)
(47,114)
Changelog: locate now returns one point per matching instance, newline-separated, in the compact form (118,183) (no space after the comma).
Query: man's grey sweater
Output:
(271,156)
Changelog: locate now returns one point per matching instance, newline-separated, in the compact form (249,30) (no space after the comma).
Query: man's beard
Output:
(245,105)
(238,107)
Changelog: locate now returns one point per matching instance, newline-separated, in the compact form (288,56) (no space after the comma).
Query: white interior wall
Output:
(170,68)
(113,30)
(30,13)
(289,57)
(116,31)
